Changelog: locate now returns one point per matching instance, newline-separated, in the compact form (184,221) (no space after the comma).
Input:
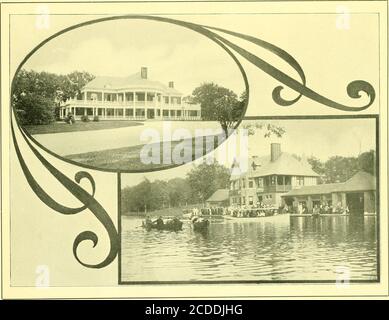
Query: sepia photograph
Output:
(301,207)
(146,82)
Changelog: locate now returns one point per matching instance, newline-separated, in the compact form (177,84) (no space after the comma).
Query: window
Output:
(178,113)
(280,180)
(251,183)
(300,181)
(243,183)
(244,200)
(273,180)
(140,96)
(120,112)
(140,112)
(259,182)
(165,113)
(79,111)
(129,97)
(158,112)
(193,113)
(172,113)
(129,112)
(166,99)
(251,200)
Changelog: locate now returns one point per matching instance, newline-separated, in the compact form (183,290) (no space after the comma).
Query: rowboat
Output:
(200,225)
(169,225)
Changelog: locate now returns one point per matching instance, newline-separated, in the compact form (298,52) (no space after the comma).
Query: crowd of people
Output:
(322,208)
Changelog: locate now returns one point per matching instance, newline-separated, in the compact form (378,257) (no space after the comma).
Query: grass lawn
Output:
(57,127)
(128,158)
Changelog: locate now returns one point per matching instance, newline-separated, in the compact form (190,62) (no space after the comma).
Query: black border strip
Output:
(241,282)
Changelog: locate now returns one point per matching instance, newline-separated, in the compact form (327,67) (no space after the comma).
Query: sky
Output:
(121,48)
(322,138)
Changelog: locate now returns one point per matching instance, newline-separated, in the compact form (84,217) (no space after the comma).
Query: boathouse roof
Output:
(219,195)
(276,163)
(285,164)
(361,181)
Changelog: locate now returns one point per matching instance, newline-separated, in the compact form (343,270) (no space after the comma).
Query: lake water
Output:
(295,248)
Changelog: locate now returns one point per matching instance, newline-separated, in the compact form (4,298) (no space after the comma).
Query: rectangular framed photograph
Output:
(194,150)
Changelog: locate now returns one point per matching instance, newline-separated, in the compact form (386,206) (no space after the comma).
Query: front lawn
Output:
(58,127)
(128,158)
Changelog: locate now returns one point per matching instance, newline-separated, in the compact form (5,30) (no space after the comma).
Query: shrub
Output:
(70,119)
(33,109)
(85,118)
(96,118)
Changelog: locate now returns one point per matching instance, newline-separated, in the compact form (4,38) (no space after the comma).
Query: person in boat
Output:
(316,210)
(304,209)
(148,221)
(159,222)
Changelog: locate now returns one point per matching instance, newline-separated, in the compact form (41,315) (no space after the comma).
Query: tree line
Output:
(198,185)
(36,95)
(340,169)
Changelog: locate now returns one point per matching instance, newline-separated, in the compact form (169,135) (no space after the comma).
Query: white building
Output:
(131,98)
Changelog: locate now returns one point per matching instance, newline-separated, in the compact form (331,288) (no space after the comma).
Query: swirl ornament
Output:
(84,197)
(355,89)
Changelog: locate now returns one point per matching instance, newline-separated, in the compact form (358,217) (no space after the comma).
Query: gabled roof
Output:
(361,181)
(131,82)
(219,196)
(286,164)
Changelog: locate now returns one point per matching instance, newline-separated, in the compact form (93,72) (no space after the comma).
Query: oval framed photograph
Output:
(130,93)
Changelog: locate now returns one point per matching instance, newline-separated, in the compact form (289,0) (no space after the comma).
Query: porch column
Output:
(85,95)
(85,112)
(124,113)
(105,113)
(283,182)
(102,96)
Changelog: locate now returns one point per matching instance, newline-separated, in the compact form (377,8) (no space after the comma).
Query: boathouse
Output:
(269,177)
(131,98)
(358,194)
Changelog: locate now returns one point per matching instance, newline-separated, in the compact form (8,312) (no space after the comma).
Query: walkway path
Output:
(66,143)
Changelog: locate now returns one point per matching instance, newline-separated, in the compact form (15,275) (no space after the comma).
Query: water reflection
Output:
(299,248)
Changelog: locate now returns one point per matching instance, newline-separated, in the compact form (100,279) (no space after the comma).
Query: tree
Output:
(35,110)
(366,162)
(179,192)
(318,167)
(159,195)
(205,179)
(50,88)
(219,104)
(269,128)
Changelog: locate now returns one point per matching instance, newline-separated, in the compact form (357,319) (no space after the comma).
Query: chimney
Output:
(171,84)
(143,73)
(275,151)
